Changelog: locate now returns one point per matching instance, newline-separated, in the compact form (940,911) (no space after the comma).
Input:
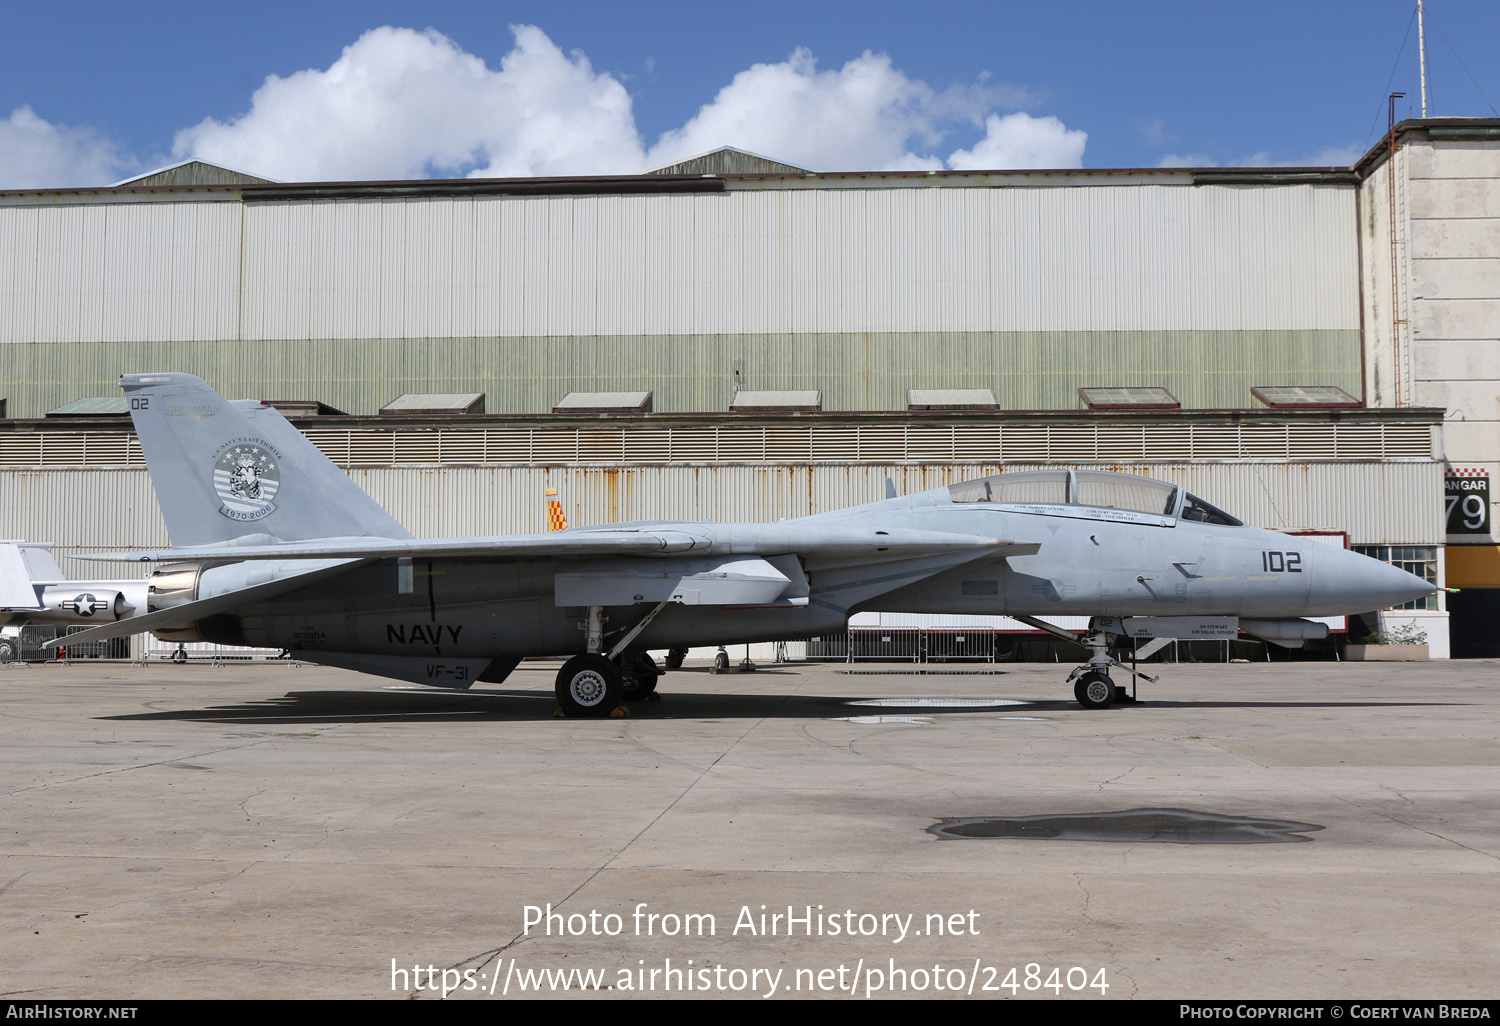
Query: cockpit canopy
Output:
(1094,488)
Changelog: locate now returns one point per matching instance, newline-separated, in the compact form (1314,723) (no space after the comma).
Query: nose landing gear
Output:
(1092,685)
(1094,690)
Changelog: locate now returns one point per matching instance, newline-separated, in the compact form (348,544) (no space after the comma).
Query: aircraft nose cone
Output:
(1365,584)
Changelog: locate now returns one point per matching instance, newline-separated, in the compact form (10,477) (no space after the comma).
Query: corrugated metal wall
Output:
(93,510)
(861,293)
(888,439)
(1026,370)
(1137,258)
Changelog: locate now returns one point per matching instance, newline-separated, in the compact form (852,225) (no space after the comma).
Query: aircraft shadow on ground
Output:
(500,705)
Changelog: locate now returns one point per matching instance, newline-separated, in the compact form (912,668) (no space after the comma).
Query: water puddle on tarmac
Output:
(919,720)
(937,703)
(1166,826)
(926,703)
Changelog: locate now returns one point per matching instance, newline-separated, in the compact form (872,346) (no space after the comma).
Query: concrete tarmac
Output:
(285,831)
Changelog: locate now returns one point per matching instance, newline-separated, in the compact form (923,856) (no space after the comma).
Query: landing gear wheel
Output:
(675,657)
(589,686)
(7,650)
(1094,690)
(179,656)
(640,678)
(721,662)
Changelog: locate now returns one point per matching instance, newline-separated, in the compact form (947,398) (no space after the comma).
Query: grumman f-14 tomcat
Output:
(273,545)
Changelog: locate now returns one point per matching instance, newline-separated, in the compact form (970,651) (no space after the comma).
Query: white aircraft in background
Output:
(33,590)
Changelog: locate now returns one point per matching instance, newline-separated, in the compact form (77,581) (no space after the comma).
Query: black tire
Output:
(721,662)
(640,675)
(675,657)
(1094,690)
(589,686)
(7,650)
(179,656)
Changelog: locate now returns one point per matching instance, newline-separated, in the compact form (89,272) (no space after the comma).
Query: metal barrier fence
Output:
(109,648)
(919,645)
(866,646)
(33,644)
(957,646)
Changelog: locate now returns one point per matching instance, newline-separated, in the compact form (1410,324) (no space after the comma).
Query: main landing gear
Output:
(594,684)
(641,674)
(589,685)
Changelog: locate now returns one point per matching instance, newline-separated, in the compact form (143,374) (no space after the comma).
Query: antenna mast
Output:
(1422,51)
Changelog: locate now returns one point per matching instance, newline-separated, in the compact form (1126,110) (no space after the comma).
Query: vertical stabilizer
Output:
(39,562)
(230,470)
(16,591)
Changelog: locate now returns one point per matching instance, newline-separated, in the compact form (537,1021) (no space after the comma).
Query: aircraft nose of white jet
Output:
(1359,583)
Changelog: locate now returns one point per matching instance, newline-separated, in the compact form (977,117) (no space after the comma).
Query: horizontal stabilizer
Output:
(191,612)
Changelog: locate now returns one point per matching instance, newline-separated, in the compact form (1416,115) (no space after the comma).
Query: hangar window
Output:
(1135,397)
(1304,396)
(445,404)
(604,402)
(951,399)
(795,401)
(98,406)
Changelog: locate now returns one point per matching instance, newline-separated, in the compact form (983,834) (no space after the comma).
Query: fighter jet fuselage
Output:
(275,547)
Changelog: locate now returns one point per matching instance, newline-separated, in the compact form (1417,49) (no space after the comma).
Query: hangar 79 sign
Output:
(1467,491)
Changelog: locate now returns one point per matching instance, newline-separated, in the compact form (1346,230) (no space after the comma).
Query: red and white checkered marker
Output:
(556,519)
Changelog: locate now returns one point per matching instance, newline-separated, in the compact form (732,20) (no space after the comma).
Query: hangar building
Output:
(733,338)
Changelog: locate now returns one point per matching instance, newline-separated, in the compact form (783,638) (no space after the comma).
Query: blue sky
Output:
(90,93)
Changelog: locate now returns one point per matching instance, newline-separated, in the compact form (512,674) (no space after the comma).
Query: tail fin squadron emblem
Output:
(246,477)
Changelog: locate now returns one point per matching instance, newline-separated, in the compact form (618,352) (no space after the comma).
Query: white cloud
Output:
(1187,160)
(398,104)
(866,116)
(1154,130)
(404,104)
(1329,156)
(1020,140)
(37,154)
